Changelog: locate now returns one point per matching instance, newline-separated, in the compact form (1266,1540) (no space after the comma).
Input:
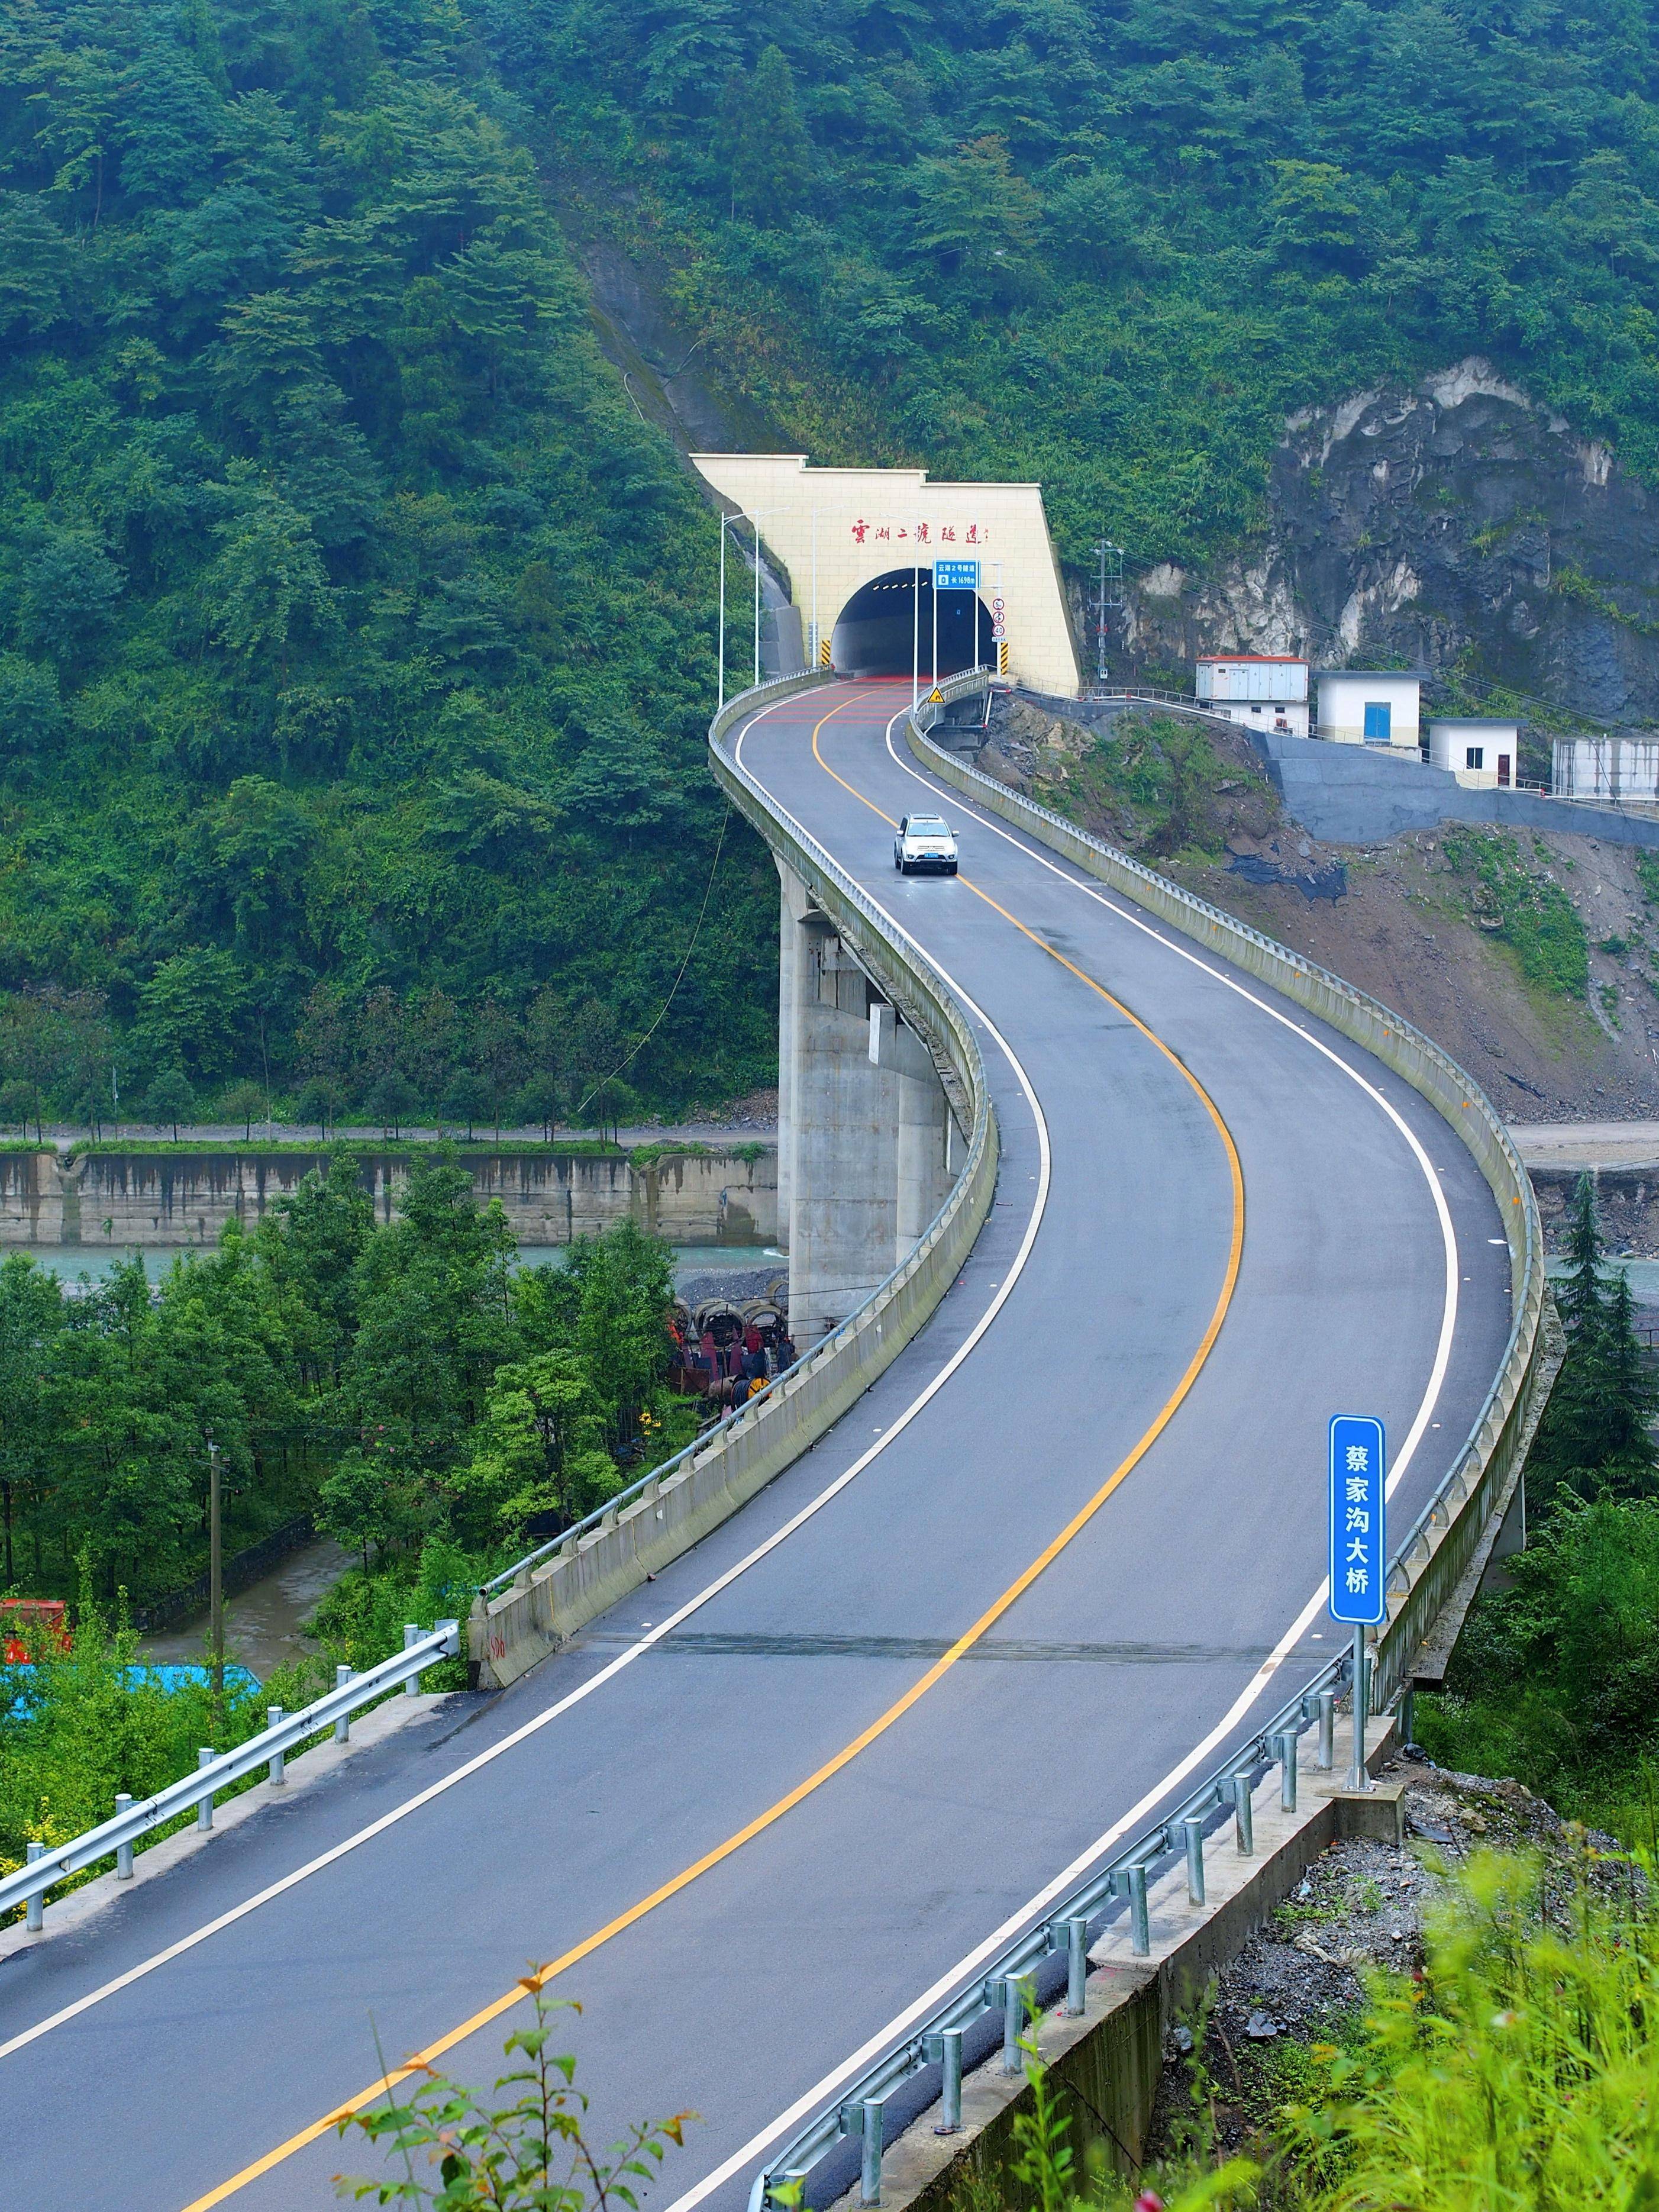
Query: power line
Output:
(628,1058)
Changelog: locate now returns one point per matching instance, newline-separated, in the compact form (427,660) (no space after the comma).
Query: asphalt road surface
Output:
(832,1797)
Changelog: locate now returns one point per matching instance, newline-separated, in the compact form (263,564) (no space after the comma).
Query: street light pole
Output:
(721,681)
(755,526)
(217,1587)
(936,625)
(916,638)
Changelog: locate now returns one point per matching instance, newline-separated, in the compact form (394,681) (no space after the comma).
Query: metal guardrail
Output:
(286,1733)
(1423,1573)
(1007,1989)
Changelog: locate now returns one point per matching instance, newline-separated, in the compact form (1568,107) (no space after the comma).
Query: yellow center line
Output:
(421,2060)
(1127,1013)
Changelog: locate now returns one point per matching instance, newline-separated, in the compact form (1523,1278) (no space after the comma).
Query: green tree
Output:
(435,1321)
(31,1318)
(366,1503)
(763,143)
(190,1009)
(624,1287)
(539,1446)
(466,1099)
(541,1101)
(18,1100)
(268,590)
(1595,1436)
(977,219)
(171,1099)
(320,1100)
(393,1101)
(310,1244)
(245,1103)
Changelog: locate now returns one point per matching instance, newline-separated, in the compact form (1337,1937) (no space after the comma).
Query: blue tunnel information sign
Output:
(955,575)
(1358,1512)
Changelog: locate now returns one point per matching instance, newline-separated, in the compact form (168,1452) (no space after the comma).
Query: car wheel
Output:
(951,870)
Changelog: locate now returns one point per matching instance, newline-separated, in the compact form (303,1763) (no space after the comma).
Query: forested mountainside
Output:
(1110,243)
(356,636)
(355,632)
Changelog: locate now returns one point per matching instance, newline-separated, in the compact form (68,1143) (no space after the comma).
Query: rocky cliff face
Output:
(1458,525)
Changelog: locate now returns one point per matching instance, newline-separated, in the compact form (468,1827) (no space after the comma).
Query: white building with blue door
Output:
(1380,707)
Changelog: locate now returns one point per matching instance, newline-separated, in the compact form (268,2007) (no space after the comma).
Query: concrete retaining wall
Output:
(551,1598)
(1355,795)
(1441,1549)
(124,1199)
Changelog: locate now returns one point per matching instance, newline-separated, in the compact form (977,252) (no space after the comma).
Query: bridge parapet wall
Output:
(1436,1570)
(534,1607)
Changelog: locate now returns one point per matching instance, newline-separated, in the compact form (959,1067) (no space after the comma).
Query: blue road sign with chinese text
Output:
(1359,1573)
(955,575)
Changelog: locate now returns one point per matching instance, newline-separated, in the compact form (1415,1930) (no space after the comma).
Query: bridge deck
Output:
(1150,1631)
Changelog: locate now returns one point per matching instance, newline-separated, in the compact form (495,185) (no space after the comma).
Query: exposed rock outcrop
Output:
(1455,523)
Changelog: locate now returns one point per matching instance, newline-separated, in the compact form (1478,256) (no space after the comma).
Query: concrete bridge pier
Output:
(922,1150)
(863,1123)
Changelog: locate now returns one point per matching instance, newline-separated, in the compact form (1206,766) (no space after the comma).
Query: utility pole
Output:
(216,1590)
(1108,599)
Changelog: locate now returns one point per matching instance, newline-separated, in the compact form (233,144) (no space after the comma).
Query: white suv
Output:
(925,842)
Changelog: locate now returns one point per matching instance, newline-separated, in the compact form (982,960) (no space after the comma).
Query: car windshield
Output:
(927,825)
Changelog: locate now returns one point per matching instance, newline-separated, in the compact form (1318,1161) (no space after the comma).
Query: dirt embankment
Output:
(1362,1906)
(1534,961)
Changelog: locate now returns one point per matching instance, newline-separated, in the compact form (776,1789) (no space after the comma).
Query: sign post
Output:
(1358,1552)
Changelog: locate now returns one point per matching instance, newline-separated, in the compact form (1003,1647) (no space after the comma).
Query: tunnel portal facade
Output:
(866,553)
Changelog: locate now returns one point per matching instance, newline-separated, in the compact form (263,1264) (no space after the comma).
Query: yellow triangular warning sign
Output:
(935,698)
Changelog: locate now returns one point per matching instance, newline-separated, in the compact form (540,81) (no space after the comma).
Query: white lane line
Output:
(895,1427)
(822,2091)
(1431,1174)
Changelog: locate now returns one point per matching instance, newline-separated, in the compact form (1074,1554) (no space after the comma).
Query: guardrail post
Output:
(342,1726)
(1287,1753)
(412,1635)
(1244,1824)
(123,1851)
(950,2082)
(1192,1829)
(275,1773)
(204,1757)
(1140,1928)
(870,2161)
(1327,1757)
(34,1919)
(1076,1965)
(1013,2021)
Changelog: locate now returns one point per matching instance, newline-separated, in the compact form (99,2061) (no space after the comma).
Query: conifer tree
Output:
(1580,1296)
(1594,1439)
(763,141)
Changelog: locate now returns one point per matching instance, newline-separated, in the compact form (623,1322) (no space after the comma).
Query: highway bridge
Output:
(1052,1561)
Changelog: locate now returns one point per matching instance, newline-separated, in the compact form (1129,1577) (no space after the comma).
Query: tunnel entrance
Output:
(882,627)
